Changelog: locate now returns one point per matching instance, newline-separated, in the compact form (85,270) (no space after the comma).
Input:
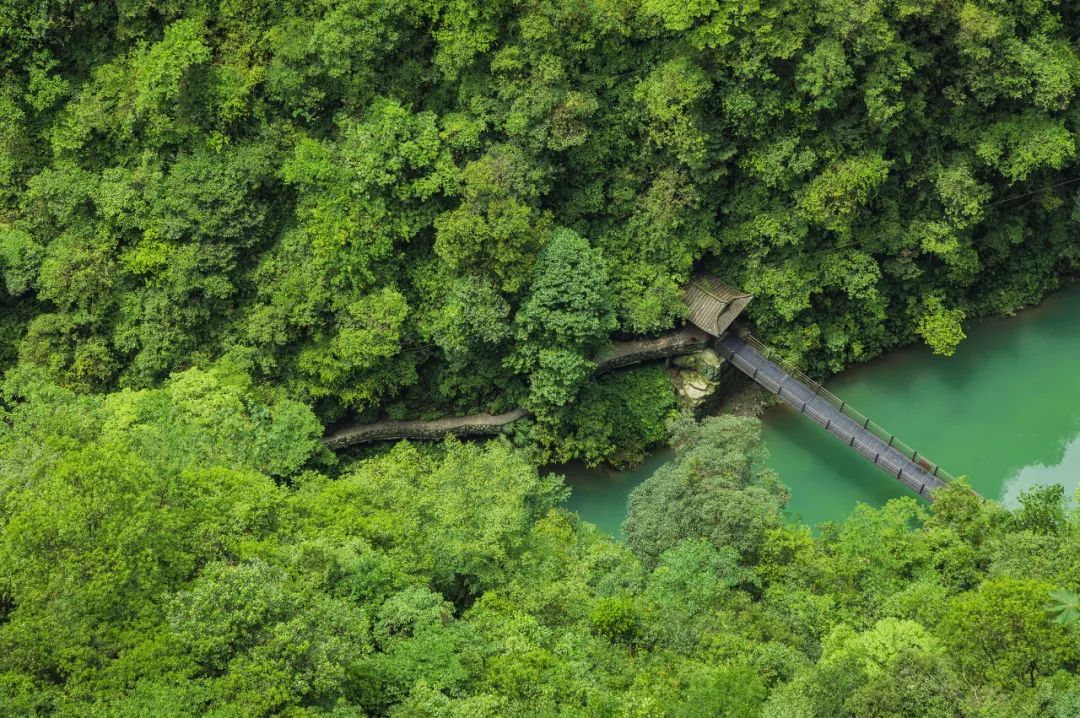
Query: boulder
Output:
(695,386)
(696,377)
(706,363)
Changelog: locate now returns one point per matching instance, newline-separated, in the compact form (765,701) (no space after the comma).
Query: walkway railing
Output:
(851,412)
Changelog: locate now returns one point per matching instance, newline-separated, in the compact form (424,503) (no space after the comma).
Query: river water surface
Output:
(1004,411)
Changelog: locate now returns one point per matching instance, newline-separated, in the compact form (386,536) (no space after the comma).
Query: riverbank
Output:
(1005,411)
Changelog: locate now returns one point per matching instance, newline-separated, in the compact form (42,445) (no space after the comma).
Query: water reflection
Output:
(1065,472)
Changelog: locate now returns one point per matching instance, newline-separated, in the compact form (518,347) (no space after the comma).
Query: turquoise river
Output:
(1004,411)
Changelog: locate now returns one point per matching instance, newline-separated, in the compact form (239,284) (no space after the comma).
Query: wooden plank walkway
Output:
(908,468)
(434,430)
(618,355)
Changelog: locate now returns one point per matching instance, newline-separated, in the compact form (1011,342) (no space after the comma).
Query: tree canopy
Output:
(192,550)
(356,195)
(226,225)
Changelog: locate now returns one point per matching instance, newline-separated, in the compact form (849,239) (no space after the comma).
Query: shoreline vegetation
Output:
(227,226)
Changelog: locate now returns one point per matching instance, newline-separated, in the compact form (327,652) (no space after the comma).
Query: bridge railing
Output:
(848,410)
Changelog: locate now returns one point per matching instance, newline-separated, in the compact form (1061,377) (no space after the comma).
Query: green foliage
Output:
(896,668)
(727,692)
(178,551)
(1023,145)
(566,316)
(1042,510)
(223,224)
(474,317)
(615,418)
(567,305)
(1065,606)
(716,489)
(941,327)
(358,196)
(616,619)
(142,490)
(833,198)
(1004,634)
(684,592)
(495,229)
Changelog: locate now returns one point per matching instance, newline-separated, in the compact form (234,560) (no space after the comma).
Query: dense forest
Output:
(226,225)
(189,551)
(417,208)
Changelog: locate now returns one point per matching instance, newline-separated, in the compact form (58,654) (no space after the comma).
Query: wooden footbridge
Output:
(713,307)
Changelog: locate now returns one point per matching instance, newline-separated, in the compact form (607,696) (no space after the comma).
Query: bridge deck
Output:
(802,398)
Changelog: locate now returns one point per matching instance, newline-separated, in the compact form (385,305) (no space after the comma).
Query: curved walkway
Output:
(474,425)
(620,354)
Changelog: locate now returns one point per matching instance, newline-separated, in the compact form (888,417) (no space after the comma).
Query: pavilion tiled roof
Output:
(712,305)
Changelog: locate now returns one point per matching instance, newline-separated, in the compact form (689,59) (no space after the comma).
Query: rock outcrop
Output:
(696,378)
